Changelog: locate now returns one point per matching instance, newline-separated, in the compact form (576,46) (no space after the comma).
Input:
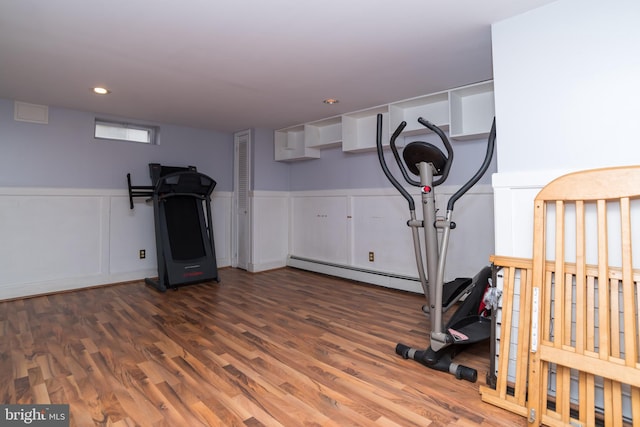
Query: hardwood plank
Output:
(284,347)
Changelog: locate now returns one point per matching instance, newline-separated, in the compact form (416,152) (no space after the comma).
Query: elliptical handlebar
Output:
(383,163)
(394,149)
(483,168)
(447,145)
(447,167)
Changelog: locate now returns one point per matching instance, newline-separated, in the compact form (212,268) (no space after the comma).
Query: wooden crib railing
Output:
(578,323)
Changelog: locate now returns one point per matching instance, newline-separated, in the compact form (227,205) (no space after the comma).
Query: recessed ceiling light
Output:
(101,91)
(330,101)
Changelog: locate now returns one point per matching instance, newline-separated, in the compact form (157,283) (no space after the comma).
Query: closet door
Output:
(242,205)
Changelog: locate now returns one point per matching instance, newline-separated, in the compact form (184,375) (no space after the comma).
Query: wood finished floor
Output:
(284,347)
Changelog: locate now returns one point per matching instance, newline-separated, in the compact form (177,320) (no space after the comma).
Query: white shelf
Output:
(466,112)
(471,110)
(323,133)
(434,108)
(359,129)
(289,145)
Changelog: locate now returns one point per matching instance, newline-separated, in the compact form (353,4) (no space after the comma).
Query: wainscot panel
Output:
(56,239)
(361,234)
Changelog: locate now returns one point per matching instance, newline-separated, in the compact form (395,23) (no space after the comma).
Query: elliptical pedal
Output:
(471,329)
(454,290)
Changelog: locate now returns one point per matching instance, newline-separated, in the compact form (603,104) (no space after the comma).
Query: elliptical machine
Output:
(471,323)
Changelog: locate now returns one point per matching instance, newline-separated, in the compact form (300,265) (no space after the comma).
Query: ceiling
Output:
(232,65)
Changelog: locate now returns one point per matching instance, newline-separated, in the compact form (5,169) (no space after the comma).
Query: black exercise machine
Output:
(471,323)
(185,247)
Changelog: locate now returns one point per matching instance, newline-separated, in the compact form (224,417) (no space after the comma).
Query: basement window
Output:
(123,131)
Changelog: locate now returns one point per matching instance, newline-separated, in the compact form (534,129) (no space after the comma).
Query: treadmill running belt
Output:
(183,225)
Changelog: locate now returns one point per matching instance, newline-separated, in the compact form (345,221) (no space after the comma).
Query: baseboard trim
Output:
(374,277)
(26,290)
(265,266)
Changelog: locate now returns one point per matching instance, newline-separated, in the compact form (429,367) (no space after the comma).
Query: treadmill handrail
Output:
(383,163)
(138,191)
(165,181)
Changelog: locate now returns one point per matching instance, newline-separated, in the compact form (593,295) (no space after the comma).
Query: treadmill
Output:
(185,248)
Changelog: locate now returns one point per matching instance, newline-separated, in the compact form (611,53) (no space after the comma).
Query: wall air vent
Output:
(33,113)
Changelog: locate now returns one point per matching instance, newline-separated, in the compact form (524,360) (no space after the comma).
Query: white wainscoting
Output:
(514,194)
(56,239)
(221,214)
(269,230)
(333,231)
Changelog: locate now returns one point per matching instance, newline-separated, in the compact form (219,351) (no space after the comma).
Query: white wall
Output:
(567,98)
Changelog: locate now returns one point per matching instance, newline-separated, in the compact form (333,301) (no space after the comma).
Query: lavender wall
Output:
(339,170)
(64,153)
(268,175)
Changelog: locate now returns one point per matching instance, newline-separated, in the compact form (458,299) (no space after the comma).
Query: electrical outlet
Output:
(371,257)
(143,254)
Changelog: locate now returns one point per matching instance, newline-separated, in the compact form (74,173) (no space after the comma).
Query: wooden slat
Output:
(560,284)
(581,275)
(523,337)
(635,402)
(543,395)
(608,367)
(569,267)
(537,401)
(616,403)
(590,400)
(591,320)
(614,319)
(607,403)
(546,303)
(630,317)
(603,274)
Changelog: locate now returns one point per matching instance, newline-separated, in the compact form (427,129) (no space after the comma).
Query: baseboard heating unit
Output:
(380,278)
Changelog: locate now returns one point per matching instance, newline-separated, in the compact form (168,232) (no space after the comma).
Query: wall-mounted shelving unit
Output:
(471,110)
(434,108)
(359,129)
(323,133)
(290,145)
(467,113)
